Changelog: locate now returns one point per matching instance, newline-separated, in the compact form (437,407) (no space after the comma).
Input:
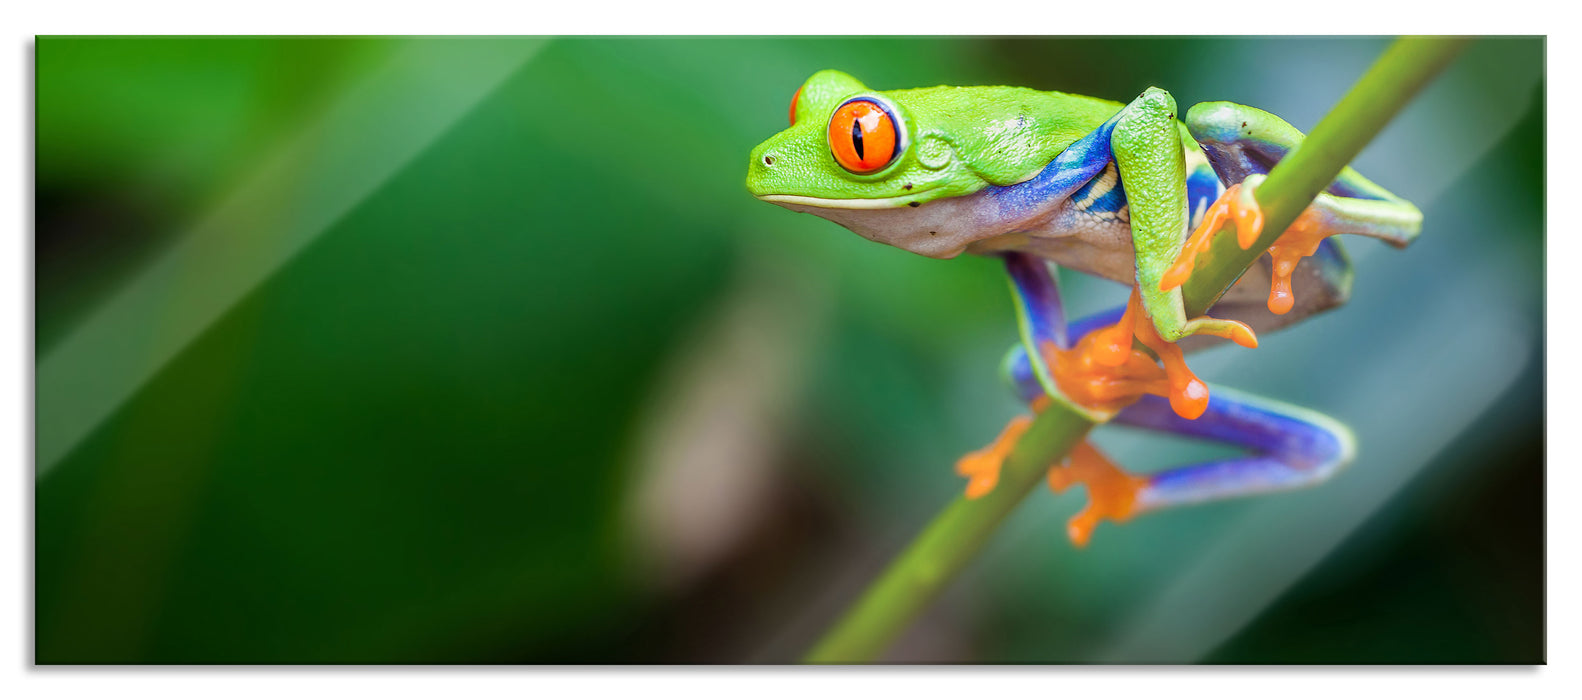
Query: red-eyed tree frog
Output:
(1129,192)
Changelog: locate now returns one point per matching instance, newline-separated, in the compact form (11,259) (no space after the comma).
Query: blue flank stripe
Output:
(1087,188)
(1111,201)
(1074,167)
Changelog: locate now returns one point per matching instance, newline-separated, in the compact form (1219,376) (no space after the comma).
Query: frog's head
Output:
(886,165)
(892,166)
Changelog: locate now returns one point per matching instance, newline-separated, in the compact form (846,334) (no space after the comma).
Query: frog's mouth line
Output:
(882,203)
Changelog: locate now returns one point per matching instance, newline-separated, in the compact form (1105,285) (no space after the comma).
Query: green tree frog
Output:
(1129,192)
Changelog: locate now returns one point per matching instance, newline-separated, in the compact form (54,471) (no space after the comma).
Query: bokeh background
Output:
(477,351)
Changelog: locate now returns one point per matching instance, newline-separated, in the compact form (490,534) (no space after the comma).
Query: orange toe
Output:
(1188,395)
(1249,223)
(1299,241)
(1234,331)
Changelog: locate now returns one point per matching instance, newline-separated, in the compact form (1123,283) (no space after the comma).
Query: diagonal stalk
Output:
(947,543)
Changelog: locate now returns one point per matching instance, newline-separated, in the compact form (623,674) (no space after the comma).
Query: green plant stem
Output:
(947,543)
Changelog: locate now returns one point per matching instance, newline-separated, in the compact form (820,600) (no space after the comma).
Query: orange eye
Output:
(794,99)
(863,136)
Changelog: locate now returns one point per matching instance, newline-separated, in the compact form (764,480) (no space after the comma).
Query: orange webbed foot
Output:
(1105,372)
(1231,205)
(1112,493)
(982,467)
(1237,203)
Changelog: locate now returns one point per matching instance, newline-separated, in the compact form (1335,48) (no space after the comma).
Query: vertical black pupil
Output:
(856,138)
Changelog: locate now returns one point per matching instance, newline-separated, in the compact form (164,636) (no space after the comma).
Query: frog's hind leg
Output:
(1243,144)
(1290,447)
(1096,378)
(1042,321)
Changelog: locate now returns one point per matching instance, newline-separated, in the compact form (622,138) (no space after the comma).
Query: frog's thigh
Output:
(1040,321)
(1241,141)
(1291,448)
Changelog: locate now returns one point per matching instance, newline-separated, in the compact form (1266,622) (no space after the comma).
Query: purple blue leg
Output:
(1040,318)
(1289,447)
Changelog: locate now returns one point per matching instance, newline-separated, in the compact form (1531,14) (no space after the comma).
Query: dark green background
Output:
(427,436)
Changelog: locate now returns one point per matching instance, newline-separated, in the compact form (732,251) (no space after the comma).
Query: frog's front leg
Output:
(1289,447)
(1243,143)
(1148,146)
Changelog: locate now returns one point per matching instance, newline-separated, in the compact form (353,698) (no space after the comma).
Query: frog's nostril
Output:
(769,160)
